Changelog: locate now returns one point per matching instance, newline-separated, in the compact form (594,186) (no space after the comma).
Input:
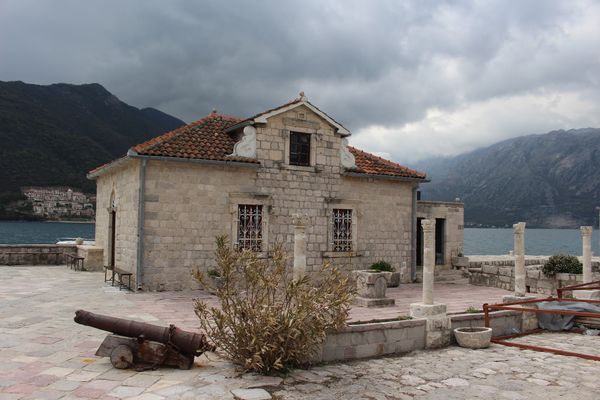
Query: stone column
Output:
(519,232)
(438,332)
(586,240)
(428,259)
(528,320)
(299,222)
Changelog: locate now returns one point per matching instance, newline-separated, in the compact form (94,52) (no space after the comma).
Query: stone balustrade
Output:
(34,254)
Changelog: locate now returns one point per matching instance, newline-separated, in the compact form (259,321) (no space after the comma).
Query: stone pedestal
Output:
(587,294)
(438,329)
(93,257)
(371,287)
(519,232)
(299,222)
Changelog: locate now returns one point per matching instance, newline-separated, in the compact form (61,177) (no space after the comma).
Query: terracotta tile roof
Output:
(204,139)
(367,163)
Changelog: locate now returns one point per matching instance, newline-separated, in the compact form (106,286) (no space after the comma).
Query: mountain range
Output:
(550,180)
(53,134)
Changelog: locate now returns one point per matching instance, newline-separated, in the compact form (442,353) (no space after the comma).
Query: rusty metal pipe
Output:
(185,342)
(547,350)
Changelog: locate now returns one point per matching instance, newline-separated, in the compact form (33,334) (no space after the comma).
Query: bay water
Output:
(480,241)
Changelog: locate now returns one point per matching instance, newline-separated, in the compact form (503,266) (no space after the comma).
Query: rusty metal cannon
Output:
(144,346)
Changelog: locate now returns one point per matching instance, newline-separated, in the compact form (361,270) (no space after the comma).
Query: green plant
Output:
(472,310)
(562,263)
(404,317)
(382,266)
(266,321)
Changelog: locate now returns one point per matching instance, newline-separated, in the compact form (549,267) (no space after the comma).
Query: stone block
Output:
(250,394)
(489,269)
(420,310)
(587,294)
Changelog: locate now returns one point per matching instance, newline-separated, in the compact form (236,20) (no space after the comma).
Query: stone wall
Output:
(187,204)
(453,213)
(393,337)
(34,254)
(502,322)
(500,273)
(122,184)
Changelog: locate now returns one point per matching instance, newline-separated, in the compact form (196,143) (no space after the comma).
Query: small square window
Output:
(299,149)
(250,227)
(342,229)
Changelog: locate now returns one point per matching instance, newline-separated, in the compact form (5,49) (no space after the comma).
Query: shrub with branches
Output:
(560,263)
(268,321)
(382,266)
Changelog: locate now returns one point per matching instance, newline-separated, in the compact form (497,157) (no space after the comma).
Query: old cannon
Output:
(144,346)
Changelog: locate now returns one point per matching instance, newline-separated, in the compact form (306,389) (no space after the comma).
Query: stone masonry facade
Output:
(189,202)
(188,205)
(118,190)
(453,215)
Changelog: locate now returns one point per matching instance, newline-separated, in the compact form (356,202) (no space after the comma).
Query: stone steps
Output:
(446,276)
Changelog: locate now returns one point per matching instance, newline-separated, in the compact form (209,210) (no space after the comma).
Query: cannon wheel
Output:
(121,357)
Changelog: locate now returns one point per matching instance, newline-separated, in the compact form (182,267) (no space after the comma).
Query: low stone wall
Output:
(502,322)
(500,273)
(373,339)
(34,254)
(396,337)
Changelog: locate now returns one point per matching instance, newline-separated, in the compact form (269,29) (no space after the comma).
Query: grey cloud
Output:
(366,63)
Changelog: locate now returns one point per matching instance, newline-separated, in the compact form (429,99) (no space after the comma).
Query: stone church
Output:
(160,207)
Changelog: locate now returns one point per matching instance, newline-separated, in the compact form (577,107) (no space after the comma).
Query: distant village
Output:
(60,203)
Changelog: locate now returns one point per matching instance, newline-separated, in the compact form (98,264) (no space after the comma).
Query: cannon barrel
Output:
(185,342)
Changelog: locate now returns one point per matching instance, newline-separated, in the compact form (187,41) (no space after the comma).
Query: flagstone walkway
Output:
(45,355)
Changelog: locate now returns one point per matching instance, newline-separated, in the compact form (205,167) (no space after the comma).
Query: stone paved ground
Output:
(45,355)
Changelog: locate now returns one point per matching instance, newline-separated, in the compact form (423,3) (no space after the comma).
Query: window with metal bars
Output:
(250,227)
(300,148)
(342,229)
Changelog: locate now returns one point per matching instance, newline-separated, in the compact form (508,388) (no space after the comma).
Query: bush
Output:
(382,266)
(561,263)
(267,322)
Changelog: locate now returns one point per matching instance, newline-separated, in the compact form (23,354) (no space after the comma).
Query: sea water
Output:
(477,240)
(482,241)
(26,232)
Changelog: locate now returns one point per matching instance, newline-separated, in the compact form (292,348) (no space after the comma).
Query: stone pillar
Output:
(519,232)
(438,332)
(299,222)
(428,259)
(586,240)
(528,320)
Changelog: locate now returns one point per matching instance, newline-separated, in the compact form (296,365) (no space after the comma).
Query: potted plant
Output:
(392,277)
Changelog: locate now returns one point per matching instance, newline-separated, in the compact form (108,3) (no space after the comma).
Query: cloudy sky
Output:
(410,79)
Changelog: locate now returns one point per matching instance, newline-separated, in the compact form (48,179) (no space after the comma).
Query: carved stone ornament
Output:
(348,160)
(246,147)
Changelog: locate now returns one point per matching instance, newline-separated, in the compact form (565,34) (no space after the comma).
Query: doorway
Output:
(419,242)
(112,227)
(440,234)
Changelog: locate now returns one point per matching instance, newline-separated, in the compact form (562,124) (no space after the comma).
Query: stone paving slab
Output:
(45,355)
